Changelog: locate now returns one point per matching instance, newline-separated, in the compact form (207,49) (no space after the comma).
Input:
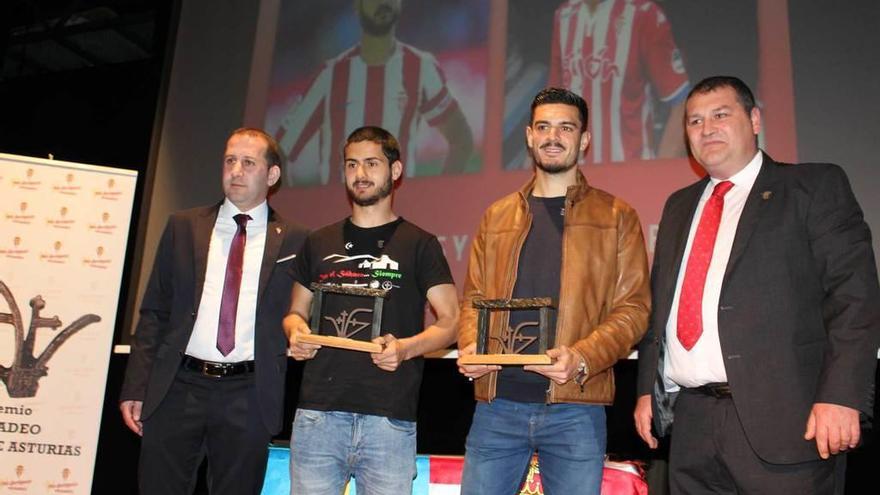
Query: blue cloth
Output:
(329,447)
(569,439)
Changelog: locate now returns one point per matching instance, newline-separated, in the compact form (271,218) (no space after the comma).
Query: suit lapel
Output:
(763,190)
(274,237)
(681,218)
(202,230)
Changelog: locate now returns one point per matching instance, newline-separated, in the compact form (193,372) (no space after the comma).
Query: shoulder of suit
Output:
(691,188)
(196,211)
(811,176)
(294,228)
(189,215)
(808,168)
(290,227)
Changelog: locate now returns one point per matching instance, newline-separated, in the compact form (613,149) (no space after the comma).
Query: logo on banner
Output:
(16,251)
(109,192)
(57,255)
(104,226)
(67,187)
(65,485)
(18,484)
(61,221)
(28,183)
(22,216)
(99,260)
(22,376)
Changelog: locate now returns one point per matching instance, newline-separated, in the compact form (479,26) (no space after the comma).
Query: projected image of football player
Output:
(621,55)
(380,81)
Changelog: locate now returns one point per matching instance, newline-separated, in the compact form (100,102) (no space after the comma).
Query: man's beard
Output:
(378,28)
(382,193)
(552,168)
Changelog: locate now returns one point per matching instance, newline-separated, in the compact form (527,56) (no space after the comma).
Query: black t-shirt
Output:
(538,275)
(398,257)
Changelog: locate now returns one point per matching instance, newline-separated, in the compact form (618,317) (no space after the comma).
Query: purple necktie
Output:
(231,287)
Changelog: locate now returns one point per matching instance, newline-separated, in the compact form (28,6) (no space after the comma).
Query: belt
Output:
(217,370)
(717,390)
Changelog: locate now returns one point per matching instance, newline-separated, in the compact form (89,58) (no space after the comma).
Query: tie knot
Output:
(241,219)
(721,188)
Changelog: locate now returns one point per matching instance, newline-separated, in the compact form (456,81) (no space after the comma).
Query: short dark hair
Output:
(743,93)
(565,97)
(273,153)
(389,144)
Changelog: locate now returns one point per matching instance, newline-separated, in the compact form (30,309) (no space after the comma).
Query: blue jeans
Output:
(329,447)
(569,438)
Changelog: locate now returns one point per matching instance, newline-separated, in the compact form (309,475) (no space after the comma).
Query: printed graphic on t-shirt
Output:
(367,270)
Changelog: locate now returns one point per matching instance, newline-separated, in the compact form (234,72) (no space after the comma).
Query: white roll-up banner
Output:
(63,233)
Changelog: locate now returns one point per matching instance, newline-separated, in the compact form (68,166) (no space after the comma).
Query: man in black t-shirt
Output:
(356,412)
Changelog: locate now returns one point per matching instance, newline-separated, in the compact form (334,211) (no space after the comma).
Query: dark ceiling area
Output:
(47,36)
(80,79)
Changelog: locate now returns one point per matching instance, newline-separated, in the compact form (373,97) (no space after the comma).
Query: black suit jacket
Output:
(799,313)
(171,303)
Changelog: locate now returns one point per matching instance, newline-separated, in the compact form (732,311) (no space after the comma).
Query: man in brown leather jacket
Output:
(557,237)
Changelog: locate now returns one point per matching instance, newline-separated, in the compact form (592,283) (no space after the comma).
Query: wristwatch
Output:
(583,372)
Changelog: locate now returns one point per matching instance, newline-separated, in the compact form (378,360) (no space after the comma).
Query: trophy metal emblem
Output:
(347,323)
(512,341)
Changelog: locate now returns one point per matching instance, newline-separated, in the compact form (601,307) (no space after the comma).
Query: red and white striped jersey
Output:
(347,93)
(614,57)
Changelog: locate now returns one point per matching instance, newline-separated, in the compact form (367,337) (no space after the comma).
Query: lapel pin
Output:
(766,194)
(278,229)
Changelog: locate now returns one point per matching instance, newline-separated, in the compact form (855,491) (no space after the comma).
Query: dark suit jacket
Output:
(171,302)
(799,314)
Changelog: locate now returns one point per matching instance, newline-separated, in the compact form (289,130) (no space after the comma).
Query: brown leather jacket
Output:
(604,297)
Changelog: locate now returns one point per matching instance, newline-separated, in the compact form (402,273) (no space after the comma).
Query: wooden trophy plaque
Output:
(342,340)
(511,339)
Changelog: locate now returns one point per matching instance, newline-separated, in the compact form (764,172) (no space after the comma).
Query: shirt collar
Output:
(259,214)
(745,178)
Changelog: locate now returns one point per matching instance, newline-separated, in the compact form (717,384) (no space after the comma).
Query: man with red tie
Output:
(206,373)
(766,314)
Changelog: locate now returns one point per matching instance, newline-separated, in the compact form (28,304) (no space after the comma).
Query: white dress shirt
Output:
(704,363)
(203,342)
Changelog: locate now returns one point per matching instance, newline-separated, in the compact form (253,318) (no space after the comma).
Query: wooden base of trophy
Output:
(378,296)
(546,308)
(339,343)
(506,359)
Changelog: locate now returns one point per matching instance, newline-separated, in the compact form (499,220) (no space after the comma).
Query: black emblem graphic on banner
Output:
(22,377)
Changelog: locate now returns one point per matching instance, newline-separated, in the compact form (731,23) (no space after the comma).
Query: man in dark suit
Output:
(766,314)
(208,360)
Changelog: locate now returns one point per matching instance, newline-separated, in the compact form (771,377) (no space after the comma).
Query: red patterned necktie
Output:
(231,287)
(690,300)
